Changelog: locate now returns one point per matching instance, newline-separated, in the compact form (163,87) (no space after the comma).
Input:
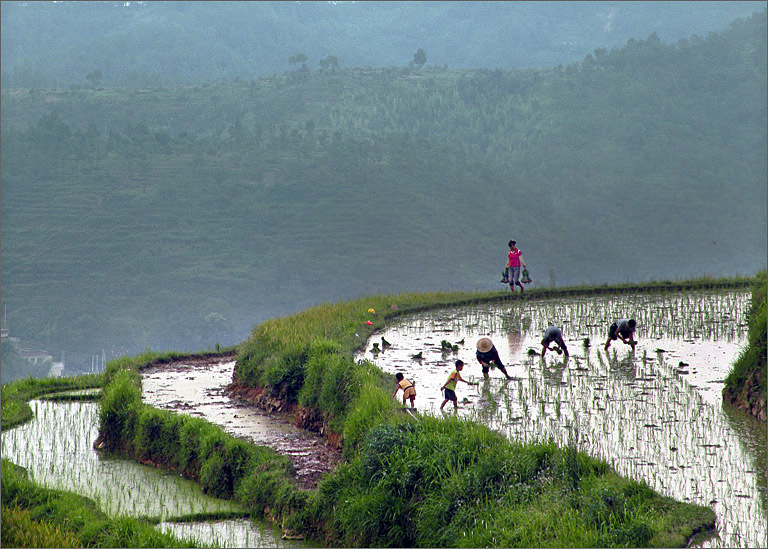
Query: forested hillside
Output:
(140,44)
(177,218)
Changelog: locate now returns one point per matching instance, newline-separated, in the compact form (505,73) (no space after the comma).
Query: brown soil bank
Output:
(305,418)
(745,387)
(750,398)
(202,387)
(312,461)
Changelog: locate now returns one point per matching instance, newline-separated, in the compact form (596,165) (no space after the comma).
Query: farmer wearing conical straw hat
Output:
(488,357)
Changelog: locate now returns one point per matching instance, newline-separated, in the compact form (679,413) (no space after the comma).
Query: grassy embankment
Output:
(405,483)
(745,386)
(15,395)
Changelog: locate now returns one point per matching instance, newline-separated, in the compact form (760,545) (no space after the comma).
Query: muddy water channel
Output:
(655,414)
(56,448)
(200,389)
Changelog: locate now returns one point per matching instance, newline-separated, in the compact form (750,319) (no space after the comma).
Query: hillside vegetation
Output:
(179,218)
(139,44)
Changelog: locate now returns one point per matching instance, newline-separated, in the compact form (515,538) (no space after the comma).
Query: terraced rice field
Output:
(655,414)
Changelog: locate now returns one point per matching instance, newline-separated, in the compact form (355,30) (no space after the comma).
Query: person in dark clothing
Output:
(623,329)
(488,357)
(553,334)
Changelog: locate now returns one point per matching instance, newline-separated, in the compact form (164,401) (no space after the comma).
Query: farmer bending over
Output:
(623,329)
(553,334)
(488,356)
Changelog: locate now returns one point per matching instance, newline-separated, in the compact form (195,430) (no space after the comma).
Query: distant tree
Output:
(653,39)
(419,58)
(94,78)
(298,58)
(237,130)
(216,328)
(330,61)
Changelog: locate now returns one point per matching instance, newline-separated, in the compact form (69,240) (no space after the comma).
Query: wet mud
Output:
(204,388)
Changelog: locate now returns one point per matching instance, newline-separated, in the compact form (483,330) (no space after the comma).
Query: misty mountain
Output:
(139,44)
(177,218)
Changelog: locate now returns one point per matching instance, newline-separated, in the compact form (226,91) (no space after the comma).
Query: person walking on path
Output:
(553,334)
(623,329)
(409,392)
(449,387)
(488,357)
(514,262)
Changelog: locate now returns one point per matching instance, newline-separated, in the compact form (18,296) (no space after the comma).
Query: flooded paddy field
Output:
(56,448)
(655,413)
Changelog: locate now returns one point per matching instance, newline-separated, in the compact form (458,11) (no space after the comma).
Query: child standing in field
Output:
(450,385)
(409,392)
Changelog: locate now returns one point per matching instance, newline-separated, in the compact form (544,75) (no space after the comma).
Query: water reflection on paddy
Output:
(655,414)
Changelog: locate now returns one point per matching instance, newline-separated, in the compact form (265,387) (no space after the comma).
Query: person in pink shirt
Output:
(514,262)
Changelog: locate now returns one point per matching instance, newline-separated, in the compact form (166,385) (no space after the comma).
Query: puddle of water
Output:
(655,414)
(198,389)
(227,533)
(76,393)
(56,448)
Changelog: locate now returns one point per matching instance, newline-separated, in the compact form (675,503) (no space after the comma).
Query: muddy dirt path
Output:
(201,388)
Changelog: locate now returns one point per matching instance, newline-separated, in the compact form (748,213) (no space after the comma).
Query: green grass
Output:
(295,355)
(302,356)
(453,482)
(190,445)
